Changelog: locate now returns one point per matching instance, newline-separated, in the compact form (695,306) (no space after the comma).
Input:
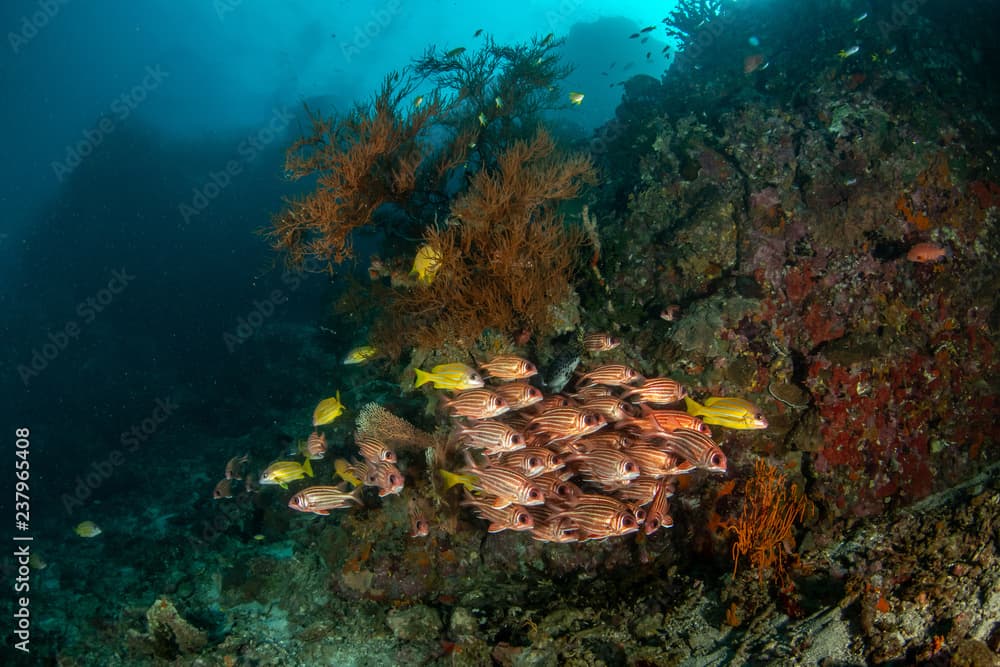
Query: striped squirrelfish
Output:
(599,517)
(532,462)
(728,412)
(373,449)
(658,391)
(615,375)
(234,468)
(696,448)
(283,472)
(509,367)
(386,477)
(600,342)
(606,467)
(490,435)
(321,499)
(314,447)
(455,377)
(476,404)
(657,516)
(665,421)
(505,486)
(327,410)
(512,517)
(518,394)
(561,423)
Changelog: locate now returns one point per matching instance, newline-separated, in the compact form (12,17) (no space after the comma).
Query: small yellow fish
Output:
(417,102)
(575,98)
(482,119)
(844,54)
(283,472)
(450,376)
(259,537)
(454,479)
(328,410)
(343,469)
(359,355)
(499,102)
(426,264)
(88,529)
(729,412)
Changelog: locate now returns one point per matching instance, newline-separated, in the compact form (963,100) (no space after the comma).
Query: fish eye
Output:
(534,461)
(532,392)
(628,521)
(653,523)
(530,367)
(534,494)
(394,479)
(758,416)
(628,467)
(522,518)
(422,525)
(716,459)
(588,420)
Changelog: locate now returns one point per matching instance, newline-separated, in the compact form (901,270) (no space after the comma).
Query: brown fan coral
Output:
(507,257)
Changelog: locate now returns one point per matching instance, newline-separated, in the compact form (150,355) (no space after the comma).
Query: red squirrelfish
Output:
(532,462)
(607,467)
(505,486)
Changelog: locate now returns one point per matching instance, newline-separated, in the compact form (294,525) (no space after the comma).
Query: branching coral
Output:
(764,528)
(366,159)
(506,255)
(691,17)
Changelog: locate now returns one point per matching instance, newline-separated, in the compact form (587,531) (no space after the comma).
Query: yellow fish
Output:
(499,102)
(417,102)
(328,410)
(450,376)
(728,412)
(88,529)
(575,98)
(426,264)
(482,118)
(454,479)
(345,472)
(283,472)
(359,355)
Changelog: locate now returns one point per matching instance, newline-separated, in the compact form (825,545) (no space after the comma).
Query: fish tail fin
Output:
(692,406)
(307,467)
(423,377)
(454,479)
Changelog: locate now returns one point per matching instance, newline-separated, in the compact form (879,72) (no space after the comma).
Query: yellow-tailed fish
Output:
(328,410)
(87,529)
(575,98)
(454,479)
(847,53)
(343,469)
(426,264)
(455,377)
(359,355)
(283,472)
(482,118)
(728,412)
